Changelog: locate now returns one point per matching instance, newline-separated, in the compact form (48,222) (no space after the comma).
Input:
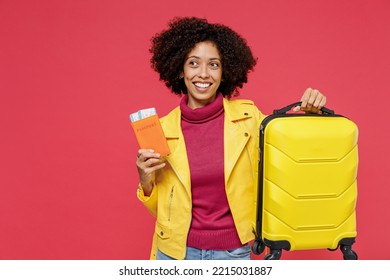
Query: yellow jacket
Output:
(170,200)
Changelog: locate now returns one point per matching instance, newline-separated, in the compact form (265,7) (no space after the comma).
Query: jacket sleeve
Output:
(150,202)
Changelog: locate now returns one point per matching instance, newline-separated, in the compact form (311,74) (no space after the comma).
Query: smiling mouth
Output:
(202,85)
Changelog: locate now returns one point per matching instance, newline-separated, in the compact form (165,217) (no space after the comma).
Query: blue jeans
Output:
(242,253)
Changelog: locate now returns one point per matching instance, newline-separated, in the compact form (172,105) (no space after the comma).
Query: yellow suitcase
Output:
(307,183)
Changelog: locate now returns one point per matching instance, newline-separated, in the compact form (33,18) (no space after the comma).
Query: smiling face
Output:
(202,74)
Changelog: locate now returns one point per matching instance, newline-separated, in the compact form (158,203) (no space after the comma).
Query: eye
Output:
(214,65)
(192,63)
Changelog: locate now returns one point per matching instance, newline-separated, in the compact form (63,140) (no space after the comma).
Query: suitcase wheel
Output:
(275,254)
(258,247)
(348,253)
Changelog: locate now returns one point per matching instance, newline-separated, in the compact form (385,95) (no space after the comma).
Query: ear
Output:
(181,75)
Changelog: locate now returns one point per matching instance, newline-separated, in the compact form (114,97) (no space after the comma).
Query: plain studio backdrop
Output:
(72,71)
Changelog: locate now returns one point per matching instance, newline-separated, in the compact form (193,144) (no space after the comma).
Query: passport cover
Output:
(150,135)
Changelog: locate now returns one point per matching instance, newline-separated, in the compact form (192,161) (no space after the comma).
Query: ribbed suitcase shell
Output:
(309,176)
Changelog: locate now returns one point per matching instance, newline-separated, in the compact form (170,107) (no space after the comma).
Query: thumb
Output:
(297,108)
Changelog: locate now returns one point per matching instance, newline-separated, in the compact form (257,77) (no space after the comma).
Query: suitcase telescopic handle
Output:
(284,110)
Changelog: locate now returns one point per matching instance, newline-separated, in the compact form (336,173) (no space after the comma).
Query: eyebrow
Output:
(194,56)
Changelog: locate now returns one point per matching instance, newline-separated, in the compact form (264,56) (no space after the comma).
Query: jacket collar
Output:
(172,122)
(234,113)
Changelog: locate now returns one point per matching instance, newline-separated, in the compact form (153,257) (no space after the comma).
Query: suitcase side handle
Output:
(284,110)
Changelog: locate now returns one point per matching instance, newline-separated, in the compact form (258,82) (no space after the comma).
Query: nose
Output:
(203,72)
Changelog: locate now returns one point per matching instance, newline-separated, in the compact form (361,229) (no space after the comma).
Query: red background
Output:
(72,71)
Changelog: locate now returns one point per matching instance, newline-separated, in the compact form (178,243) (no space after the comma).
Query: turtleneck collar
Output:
(203,114)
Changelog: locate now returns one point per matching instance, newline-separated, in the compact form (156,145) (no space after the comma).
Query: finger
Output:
(317,101)
(296,108)
(156,167)
(153,161)
(312,97)
(305,97)
(144,154)
(144,165)
(323,101)
(144,151)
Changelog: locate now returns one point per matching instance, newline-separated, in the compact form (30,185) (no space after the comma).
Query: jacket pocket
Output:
(162,231)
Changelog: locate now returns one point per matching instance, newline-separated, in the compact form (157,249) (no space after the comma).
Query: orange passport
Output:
(150,135)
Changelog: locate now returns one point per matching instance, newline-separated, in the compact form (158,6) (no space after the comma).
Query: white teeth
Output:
(202,85)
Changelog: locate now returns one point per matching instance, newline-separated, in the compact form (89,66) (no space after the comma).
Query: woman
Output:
(203,194)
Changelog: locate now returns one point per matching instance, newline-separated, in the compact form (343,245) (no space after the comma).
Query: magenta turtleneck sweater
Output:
(212,225)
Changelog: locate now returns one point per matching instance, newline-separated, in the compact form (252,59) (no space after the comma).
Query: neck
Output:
(195,104)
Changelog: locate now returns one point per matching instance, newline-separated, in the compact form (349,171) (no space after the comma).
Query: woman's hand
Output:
(147,163)
(312,101)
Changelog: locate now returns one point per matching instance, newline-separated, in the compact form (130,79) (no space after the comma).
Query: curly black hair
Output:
(171,46)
